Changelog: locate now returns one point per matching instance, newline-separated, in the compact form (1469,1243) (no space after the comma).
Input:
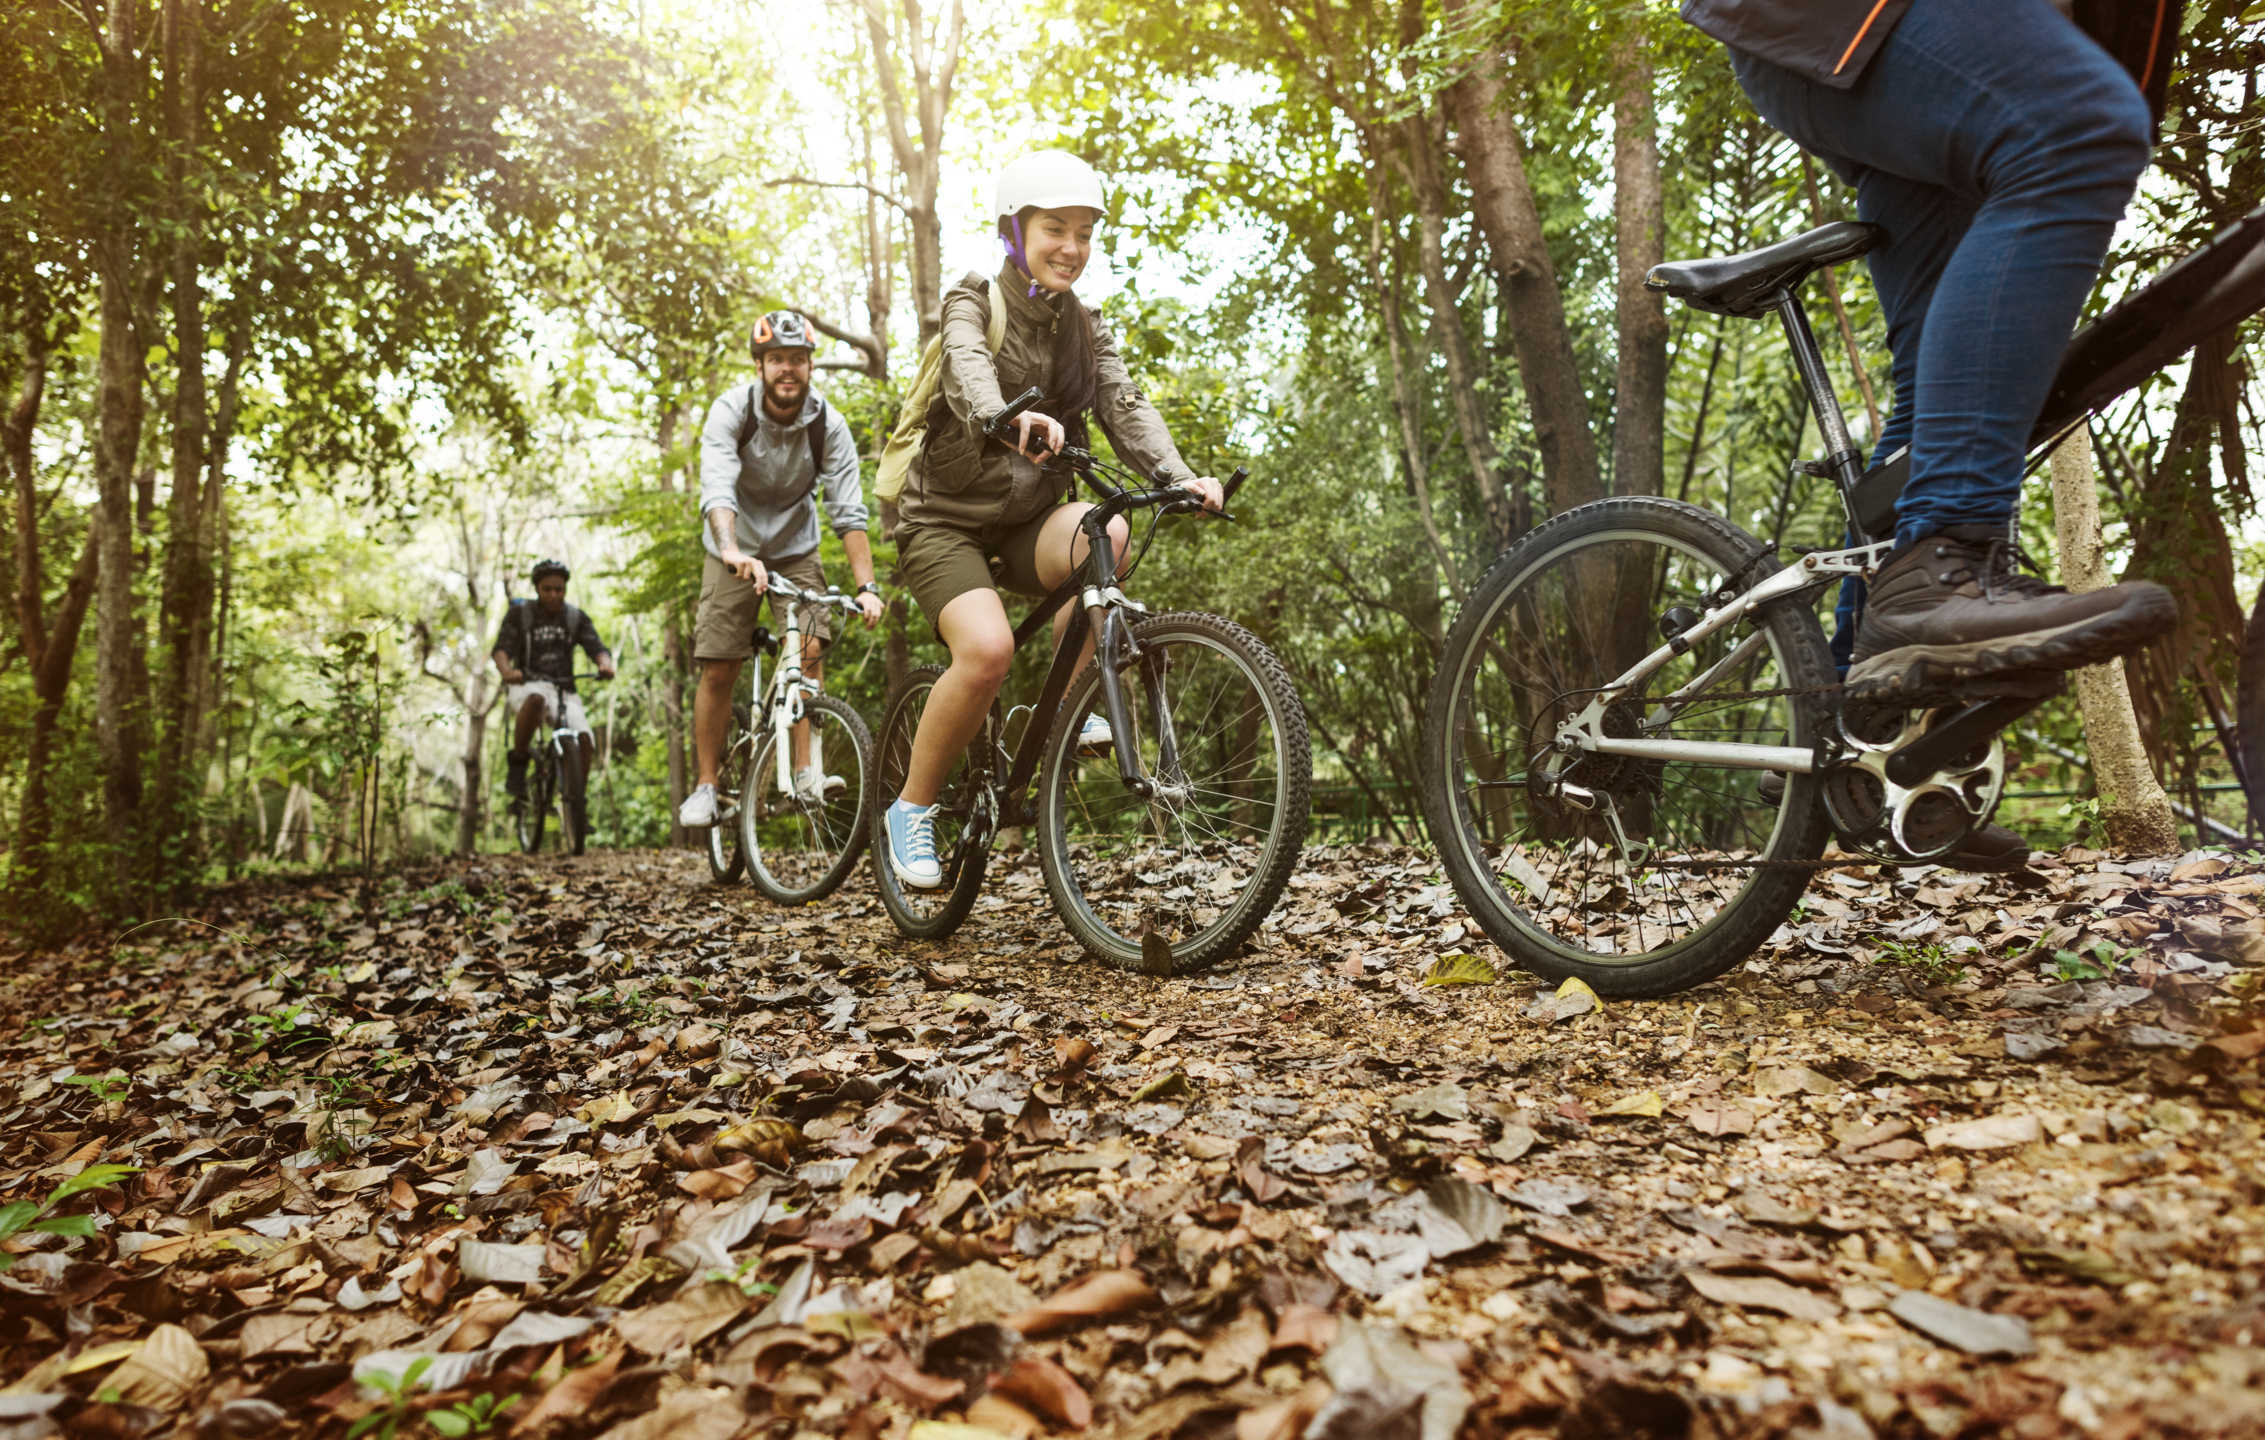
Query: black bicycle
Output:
(1636,744)
(555,780)
(1169,849)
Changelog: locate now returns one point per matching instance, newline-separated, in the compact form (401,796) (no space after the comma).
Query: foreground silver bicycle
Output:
(1636,744)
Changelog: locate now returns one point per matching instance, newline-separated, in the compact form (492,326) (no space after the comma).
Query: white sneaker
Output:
(811,788)
(698,811)
(1094,737)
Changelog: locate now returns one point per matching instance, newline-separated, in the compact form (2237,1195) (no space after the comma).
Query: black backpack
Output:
(816,434)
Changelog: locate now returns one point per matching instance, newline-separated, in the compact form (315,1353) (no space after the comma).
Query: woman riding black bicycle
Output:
(973,498)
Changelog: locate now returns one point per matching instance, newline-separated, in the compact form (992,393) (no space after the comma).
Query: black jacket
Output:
(1831,41)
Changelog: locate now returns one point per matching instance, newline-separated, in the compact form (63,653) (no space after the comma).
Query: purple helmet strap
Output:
(1010,231)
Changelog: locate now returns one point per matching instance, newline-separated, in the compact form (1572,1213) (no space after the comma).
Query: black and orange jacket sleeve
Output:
(1832,41)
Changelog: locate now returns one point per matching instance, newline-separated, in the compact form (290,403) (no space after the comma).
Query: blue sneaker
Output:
(1094,737)
(912,845)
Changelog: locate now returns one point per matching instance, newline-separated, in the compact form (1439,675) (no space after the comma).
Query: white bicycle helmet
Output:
(1047,180)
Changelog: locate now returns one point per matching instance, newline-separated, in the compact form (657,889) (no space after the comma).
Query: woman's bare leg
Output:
(974,626)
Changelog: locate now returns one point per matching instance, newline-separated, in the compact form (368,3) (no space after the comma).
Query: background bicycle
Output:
(556,781)
(1168,850)
(791,786)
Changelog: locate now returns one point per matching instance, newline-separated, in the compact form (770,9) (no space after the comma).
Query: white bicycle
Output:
(791,787)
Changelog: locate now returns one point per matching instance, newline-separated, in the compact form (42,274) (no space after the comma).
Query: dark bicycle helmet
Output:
(550,567)
(780,330)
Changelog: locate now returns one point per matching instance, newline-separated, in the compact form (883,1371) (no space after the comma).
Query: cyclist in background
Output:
(1997,145)
(766,452)
(534,651)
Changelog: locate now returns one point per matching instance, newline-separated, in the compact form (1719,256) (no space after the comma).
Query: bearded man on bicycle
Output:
(534,652)
(765,453)
(1997,145)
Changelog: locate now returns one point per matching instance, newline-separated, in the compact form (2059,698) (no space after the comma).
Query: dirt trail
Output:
(626,1154)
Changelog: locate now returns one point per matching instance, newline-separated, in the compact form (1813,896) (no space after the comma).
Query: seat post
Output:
(1841,458)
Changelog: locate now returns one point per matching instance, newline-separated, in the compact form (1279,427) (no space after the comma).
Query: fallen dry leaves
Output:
(594,1148)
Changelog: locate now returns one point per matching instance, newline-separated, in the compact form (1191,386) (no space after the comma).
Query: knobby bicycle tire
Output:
(573,809)
(726,861)
(965,858)
(534,810)
(1207,817)
(762,771)
(1798,830)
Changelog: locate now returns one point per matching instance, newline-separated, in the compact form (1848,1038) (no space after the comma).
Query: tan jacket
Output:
(962,480)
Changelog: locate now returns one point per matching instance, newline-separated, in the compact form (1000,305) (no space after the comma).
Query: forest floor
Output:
(594,1147)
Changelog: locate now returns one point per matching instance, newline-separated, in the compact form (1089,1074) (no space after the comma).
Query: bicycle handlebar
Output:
(1016,406)
(832,599)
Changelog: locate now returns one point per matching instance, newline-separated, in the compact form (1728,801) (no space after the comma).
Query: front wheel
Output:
(1640,876)
(802,841)
(573,798)
(964,815)
(725,858)
(1199,862)
(533,811)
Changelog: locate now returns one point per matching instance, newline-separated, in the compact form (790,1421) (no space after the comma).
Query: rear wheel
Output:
(1202,860)
(2249,715)
(802,847)
(1640,876)
(963,815)
(725,859)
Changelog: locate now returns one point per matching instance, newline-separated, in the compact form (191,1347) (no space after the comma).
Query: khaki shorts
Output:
(724,628)
(939,563)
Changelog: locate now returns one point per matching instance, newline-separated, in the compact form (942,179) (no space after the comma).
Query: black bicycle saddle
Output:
(1748,285)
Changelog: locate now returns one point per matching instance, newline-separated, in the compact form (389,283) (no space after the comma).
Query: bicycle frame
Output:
(783,699)
(2219,285)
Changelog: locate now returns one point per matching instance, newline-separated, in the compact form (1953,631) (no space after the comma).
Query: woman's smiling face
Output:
(1057,243)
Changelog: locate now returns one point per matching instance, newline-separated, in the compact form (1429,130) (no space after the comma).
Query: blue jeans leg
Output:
(1998,144)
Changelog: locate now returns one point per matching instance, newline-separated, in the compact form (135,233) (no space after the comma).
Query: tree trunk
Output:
(2178,537)
(1503,200)
(476,710)
(50,643)
(1639,426)
(185,610)
(934,63)
(1463,379)
(118,430)
(2133,808)
(1415,468)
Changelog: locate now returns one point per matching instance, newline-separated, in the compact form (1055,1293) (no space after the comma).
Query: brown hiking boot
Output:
(1950,618)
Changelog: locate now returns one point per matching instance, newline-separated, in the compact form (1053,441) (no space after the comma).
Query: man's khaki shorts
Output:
(939,563)
(724,628)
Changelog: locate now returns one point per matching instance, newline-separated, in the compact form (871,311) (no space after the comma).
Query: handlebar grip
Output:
(1015,407)
(1234,483)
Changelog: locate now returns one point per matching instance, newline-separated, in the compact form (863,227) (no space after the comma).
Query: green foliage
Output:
(20,1216)
(1933,963)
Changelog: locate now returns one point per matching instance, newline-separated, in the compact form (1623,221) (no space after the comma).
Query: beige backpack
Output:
(912,421)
